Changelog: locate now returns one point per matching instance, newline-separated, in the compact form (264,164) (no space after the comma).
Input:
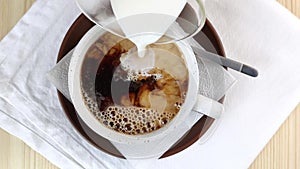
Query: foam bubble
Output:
(130,120)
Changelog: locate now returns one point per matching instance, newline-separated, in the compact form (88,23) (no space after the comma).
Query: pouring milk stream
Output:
(144,22)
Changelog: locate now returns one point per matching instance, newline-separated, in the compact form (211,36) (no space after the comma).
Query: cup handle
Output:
(209,107)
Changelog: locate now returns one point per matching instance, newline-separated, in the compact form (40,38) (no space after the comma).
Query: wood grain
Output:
(282,151)
(10,12)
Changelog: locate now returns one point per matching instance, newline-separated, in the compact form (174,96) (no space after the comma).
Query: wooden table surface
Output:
(282,151)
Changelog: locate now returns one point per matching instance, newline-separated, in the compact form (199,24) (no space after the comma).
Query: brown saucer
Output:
(208,38)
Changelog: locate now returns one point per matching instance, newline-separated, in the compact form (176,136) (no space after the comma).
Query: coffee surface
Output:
(130,101)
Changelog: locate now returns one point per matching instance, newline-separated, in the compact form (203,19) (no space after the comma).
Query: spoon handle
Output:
(240,67)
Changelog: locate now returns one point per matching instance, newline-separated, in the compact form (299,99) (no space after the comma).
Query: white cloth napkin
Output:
(257,32)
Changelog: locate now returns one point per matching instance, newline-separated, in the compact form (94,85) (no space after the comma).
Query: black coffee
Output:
(128,101)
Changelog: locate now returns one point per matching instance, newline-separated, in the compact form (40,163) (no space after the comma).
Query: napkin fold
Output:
(258,32)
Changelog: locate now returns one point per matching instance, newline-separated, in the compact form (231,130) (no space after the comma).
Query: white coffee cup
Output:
(193,100)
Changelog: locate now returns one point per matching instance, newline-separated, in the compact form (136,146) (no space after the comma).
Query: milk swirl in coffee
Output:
(133,101)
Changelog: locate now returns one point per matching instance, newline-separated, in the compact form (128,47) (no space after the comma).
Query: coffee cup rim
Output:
(75,92)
